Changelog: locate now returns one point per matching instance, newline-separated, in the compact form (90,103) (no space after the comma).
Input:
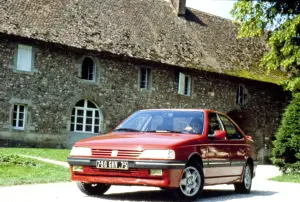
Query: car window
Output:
(214,123)
(232,132)
(190,122)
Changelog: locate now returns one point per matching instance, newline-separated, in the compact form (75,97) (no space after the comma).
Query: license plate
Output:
(119,165)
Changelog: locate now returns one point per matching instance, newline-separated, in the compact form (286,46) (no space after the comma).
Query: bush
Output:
(13,159)
(286,151)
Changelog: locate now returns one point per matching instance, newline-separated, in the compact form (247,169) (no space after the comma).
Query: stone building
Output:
(72,68)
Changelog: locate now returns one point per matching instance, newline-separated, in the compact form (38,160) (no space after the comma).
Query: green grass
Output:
(53,154)
(287,178)
(16,170)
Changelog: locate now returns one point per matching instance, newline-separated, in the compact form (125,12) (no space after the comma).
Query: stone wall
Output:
(55,88)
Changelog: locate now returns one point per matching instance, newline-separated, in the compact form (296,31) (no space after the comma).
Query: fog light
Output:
(78,168)
(156,172)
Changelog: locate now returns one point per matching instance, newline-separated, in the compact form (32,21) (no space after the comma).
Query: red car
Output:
(179,149)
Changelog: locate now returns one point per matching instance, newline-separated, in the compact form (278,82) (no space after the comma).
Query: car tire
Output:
(245,186)
(191,183)
(92,189)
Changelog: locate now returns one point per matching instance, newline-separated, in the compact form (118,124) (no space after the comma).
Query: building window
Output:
(24,58)
(184,85)
(241,95)
(145,78)
(19,116)
(88,69)
(85,117)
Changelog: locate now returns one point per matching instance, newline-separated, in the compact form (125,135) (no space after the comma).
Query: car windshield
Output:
(174,121)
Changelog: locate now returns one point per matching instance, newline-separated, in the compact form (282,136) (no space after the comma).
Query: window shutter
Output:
(181,83)
(24,59)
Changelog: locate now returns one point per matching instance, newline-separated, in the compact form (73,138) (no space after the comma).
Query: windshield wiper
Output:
(126,130)
(163,131)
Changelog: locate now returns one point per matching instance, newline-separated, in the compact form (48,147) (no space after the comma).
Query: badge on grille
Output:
(114,153)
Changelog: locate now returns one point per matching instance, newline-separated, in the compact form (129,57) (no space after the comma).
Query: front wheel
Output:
(92,189)
(191,183)
(245,186)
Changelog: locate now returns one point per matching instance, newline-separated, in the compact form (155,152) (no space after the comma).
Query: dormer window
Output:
(88,69)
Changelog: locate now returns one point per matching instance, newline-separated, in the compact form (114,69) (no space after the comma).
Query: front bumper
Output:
(137,174)
(151,164)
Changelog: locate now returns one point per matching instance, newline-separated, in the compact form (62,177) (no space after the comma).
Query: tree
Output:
(279,22)
(286,151)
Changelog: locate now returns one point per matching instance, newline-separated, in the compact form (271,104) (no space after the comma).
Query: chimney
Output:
(180,6)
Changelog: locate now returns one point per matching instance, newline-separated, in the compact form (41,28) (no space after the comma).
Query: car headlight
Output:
(158,154)
(81,151)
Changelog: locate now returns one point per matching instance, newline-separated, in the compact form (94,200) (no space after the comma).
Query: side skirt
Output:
(222,180)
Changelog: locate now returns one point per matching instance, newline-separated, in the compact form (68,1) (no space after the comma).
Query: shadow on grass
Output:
(161,195)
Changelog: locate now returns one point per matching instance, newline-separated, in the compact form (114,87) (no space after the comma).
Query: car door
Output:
(218,153)
(238,146)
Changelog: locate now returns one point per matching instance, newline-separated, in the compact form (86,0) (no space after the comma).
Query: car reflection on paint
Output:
(177,149)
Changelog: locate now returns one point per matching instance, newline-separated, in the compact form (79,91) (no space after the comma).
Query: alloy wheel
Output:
(247,177)
(190,182)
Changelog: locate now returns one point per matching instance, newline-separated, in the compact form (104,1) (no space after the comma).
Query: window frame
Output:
(242,96)
(147,81)
(25,112)
(94,70)
(84,117)
(219,120)
(184,87)
(234,127)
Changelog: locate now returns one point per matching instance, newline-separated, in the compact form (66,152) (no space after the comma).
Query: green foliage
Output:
(12,159)
(286,151)
(291,177)
(283,41)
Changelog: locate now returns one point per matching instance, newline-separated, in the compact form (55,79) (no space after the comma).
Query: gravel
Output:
(262,190)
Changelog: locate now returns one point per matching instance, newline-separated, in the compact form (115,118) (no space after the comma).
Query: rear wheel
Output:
(92,189)
(245,186)
(191,183)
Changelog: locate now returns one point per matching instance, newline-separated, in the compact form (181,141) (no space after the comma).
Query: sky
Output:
(216,7)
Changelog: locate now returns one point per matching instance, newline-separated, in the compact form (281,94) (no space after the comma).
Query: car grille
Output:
(102,153)
(132,172)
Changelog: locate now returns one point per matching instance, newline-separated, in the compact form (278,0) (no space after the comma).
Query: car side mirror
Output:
(218,134)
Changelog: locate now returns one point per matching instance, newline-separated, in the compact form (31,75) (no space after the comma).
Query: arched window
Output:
(241,95)
(85,117)
(88,69)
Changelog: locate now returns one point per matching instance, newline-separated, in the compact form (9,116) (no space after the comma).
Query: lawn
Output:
(54,154)
(15,170)
(287,178)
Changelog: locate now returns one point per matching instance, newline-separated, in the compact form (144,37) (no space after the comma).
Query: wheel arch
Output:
(196,158)
(250,161)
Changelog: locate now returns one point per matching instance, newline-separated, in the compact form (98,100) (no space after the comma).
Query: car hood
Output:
(133,141)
